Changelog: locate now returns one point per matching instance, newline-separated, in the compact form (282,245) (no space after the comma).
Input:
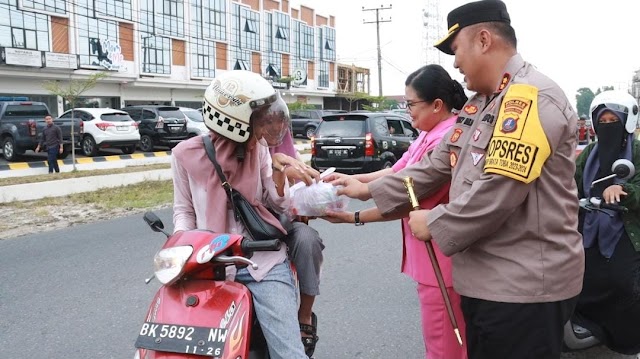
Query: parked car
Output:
(159,125)
(22,124)
(195,121)
(305,122)
(105,128)
(361,142)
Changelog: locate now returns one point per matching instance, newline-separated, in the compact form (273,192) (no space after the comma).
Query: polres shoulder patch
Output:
(519,146)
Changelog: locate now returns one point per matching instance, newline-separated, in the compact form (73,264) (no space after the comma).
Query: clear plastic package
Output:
(314,200)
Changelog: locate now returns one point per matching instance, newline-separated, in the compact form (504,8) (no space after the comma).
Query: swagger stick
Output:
(408,183)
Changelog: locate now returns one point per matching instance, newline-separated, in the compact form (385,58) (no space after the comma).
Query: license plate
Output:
(338,153)
(182,339)
(175,128)
(122,128)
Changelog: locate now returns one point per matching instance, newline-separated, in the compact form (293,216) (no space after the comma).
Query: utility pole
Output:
(378,21)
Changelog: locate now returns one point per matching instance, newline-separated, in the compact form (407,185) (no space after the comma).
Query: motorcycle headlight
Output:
(169,262)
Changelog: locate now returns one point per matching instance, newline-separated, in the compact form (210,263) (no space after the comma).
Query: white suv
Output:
(106,128)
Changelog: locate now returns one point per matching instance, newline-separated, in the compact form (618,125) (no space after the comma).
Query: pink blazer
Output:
(415,259)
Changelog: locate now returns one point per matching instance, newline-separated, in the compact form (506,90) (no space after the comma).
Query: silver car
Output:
(195,122)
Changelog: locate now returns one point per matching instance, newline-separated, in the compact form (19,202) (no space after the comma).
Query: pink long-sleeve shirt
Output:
(190,203)
(415,259)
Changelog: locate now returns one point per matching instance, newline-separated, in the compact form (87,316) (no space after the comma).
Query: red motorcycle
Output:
(198,312)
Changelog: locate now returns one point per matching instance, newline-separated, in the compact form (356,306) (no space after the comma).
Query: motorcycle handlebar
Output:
(249,245)
(614,207)
(597,203)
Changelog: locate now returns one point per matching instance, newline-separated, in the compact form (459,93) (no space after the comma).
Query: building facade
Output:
(352,81)
(162,52)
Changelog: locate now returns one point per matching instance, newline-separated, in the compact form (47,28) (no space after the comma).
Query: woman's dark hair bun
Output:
(459,96)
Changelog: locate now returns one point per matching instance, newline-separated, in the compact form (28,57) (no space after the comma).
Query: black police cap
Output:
(470,14)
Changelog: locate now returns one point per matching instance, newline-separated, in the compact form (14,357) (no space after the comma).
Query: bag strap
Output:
(211,153)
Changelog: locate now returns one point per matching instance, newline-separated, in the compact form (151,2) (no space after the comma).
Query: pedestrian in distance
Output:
(51,141)
(511,222)
(431,97)
(246,116)
(609,304)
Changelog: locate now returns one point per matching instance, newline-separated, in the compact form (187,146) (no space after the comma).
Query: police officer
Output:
(511,224)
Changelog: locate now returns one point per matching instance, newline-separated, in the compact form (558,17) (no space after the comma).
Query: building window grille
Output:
(23,29)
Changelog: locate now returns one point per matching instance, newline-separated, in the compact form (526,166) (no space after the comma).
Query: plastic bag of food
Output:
(314,200)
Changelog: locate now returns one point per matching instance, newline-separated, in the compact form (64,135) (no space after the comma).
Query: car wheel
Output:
(387,164)
(310,131)
(9,149)
(88,146)
(146,143)
(127,150)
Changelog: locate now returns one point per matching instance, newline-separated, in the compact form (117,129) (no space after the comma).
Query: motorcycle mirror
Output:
(153,221)
(623,169)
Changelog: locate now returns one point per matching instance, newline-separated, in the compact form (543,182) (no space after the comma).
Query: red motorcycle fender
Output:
(218,304)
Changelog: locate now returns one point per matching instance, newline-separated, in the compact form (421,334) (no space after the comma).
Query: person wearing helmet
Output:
(609,304)
(246,116)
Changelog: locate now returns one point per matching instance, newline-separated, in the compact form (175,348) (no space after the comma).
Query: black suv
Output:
(305,122)
(159,125)
(361,142)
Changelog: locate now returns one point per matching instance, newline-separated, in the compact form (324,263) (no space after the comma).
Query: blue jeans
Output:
(274,300)
(52,158)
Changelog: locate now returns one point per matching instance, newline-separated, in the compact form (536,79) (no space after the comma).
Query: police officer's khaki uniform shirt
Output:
(511,225)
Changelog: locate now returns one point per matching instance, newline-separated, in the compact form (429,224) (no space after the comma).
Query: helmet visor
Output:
(269,123)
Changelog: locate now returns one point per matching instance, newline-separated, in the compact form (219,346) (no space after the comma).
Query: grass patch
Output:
(78,174)
(142,195)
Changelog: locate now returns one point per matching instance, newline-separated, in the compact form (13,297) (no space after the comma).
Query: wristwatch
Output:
(356,216)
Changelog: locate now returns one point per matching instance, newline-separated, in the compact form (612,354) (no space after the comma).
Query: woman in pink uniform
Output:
(431,96)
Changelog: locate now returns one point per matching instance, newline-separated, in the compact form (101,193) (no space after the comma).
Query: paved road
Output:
(79,292)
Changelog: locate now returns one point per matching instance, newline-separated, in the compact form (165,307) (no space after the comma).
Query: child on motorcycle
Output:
(609,305)
(305,251)
(246,116)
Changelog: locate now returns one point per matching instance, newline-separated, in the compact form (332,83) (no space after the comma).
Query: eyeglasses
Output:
(410,104)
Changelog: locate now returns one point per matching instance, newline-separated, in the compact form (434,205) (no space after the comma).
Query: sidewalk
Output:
(65,187)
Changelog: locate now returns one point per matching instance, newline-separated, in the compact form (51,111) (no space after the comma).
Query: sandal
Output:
(310,341)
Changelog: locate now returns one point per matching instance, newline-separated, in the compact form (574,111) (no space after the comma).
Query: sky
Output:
(576,43)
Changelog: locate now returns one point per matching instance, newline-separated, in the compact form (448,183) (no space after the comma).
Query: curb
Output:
(84,160)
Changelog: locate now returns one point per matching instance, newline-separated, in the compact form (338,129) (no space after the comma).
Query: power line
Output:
(394,66)
(377,22)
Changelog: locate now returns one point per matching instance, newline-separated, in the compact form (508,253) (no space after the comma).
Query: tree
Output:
(583,101)
(379,104)
(355,97)
(295,106)
(71,93)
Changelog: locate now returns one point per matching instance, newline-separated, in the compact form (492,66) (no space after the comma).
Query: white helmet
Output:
(231,99)
(618,101)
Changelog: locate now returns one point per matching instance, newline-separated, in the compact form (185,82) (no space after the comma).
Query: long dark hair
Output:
(433,82)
